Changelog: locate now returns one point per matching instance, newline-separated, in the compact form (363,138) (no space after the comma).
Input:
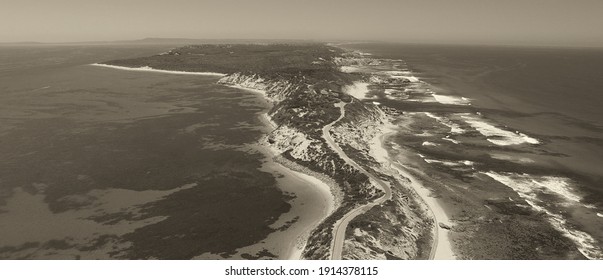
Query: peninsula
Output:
(314,109)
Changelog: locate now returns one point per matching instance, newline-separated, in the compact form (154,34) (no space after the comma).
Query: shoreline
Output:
(149,69)
(341,225)
(441,243)
(326,190)
(516,185)
(293,228)
(442,246)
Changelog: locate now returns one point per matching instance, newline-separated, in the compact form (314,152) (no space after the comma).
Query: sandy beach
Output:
(311,195)
(442,247)
(149,69)
(313,199)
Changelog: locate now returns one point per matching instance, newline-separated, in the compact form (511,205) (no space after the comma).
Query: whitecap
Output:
(527,186)
(454,128)
(450,100)
(501,137)
(358,89)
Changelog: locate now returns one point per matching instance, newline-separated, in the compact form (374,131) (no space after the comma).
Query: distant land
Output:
(178,42)
(160,41)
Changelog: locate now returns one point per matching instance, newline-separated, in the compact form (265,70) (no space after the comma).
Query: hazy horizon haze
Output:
(514,22)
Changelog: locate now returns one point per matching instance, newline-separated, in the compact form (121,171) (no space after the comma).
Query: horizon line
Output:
(171,40)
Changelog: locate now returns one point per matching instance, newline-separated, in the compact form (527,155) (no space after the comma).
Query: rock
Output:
(444,226)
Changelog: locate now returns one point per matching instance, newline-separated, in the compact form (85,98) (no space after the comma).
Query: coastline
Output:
(442,246)
(294,227)
(435,194)
(149,69)
(317,203)
(323,191)
(442,243)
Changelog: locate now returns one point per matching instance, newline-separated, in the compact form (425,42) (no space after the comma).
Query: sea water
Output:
(105,163)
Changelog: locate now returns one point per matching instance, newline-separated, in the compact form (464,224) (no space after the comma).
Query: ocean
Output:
(487,127)
(99,163)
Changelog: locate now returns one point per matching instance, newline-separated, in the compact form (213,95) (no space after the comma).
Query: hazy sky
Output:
(539,22)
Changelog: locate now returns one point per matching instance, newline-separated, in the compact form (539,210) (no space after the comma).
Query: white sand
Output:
(443,250)
(149,69)
(358,89)
(314,202)
(443,245)
(329,202)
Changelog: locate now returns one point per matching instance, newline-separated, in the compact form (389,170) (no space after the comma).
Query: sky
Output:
(506,22)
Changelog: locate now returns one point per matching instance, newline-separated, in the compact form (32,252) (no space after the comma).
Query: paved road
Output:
(342,224)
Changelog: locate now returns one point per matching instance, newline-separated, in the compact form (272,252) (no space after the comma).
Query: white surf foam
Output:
(390,91)
(411,79)
(398,73)
(454,128)
(384,76)
(447,138)
(559,186)
(450,100)
(358,89)
(427,143)
(349,69)
(502,137)
(510,158)
(528,186)
(149,69)
(450,163)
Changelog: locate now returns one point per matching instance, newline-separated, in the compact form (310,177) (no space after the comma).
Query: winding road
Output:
(440,248)
(341,225)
